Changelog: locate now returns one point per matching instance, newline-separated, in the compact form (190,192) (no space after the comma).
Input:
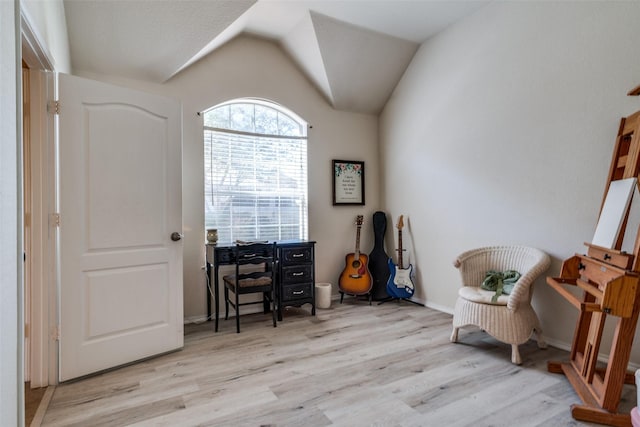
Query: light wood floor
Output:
(351,365)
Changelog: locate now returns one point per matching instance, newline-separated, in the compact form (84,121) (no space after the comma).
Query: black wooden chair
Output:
(249,279)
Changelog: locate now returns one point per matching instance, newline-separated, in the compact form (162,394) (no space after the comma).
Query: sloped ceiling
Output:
(354,51)
(363,72)
(144,40)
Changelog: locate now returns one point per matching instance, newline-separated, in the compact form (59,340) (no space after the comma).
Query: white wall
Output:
(47,19)
(11,413)
(252,67)
(502,131)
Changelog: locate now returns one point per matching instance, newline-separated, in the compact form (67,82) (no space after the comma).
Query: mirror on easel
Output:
(613,214)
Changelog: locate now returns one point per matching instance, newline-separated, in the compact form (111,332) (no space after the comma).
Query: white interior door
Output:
(120,158)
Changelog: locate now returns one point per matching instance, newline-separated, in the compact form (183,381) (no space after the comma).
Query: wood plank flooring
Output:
(350,365)
(32,398)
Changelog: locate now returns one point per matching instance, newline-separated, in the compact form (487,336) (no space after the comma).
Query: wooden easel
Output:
(609,279)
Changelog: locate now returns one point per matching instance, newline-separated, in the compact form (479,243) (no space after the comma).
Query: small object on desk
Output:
(212,235)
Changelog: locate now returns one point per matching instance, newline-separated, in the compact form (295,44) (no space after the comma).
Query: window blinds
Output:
(255,185)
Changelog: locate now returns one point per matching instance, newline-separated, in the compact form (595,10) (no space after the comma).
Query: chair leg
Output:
(454,335)
(266,302)
(341,297)
(226,303)
(515,355)
(541,342)
(237,307)
(273,308)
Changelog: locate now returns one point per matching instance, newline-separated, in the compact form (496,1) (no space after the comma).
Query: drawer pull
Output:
(298,292)
(248,255)
(298,274)
(297,255)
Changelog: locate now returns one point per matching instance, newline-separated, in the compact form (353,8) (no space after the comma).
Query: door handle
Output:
(175,236)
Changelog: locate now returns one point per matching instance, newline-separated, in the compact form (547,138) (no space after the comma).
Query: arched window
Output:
(255,171)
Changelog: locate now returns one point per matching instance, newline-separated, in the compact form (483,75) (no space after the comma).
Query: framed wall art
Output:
(348,182)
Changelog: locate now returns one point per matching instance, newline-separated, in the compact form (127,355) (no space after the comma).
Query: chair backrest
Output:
(475,263)
(247,255)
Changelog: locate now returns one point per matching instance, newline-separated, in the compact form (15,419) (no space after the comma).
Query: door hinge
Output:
(27,331)
(55,333)
(53,107)
(55,220)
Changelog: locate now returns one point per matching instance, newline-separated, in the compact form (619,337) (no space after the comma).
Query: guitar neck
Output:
(400,263)
(357,252)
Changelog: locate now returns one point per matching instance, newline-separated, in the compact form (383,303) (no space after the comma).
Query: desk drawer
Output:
(299,291)
(296,274)
(227,256)
(296,255)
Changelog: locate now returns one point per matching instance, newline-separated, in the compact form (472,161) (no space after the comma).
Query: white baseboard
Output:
(203,318)
(604,358)
(195,319)
(439,307)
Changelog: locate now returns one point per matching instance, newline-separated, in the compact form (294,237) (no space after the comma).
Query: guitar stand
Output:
(390,299)
(368,295)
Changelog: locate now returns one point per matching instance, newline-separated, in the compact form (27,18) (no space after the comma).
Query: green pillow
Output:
(502,282)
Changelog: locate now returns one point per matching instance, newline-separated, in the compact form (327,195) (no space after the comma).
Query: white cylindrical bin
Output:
(323,295)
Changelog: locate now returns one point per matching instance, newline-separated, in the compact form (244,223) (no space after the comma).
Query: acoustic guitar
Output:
(400,283)
(355,279)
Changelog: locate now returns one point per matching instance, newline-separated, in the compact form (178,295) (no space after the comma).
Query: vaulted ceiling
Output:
(354,51)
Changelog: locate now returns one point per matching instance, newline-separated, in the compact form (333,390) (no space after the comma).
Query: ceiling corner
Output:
(302,46)
(362,66)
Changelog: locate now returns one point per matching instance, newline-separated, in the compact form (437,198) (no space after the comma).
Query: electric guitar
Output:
(355,279)
(400,283)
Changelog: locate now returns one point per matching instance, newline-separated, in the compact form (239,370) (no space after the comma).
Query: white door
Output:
(120,158)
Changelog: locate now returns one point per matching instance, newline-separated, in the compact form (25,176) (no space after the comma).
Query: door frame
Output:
(43,271)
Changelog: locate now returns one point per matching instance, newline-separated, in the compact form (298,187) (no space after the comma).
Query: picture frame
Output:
(348,182)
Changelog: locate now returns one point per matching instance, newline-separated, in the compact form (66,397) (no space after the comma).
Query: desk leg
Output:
(215,294)
(207,294)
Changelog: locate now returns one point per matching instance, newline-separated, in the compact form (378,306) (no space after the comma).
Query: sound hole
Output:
(356,263)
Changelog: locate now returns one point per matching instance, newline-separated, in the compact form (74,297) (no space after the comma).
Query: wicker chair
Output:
(511,318)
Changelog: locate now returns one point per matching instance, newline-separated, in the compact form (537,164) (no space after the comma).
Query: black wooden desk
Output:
(295,274)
